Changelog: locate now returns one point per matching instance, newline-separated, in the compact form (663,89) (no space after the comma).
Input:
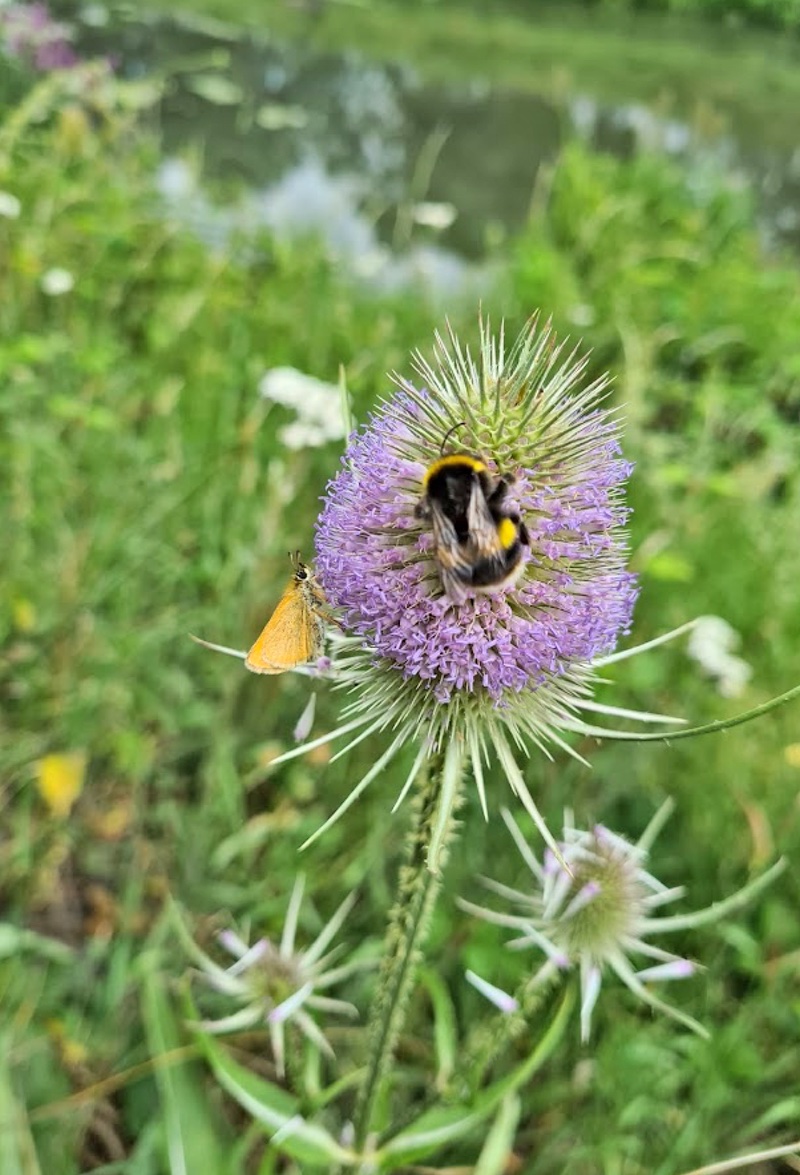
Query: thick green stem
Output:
(408,925)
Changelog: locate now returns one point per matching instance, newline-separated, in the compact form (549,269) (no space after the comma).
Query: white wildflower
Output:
(317,407)
(55,282)
(433,215)
(10,206)
(711,645)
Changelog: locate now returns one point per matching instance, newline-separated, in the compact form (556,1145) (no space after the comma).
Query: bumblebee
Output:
(478,541)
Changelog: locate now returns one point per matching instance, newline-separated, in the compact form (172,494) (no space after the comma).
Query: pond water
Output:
(402,176)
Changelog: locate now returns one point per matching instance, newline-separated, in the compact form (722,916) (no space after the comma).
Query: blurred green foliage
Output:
(775,14)
(147,497)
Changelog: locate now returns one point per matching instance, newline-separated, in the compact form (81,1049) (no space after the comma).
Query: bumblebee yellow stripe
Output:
(453,461)
(507,533)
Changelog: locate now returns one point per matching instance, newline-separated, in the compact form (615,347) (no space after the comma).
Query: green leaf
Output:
(193,1143)
(331,1092)
(445,1034)
(441,1125)
(17,1150)
(274,116)
(427,1134)
(670,568)
(215,88)
(274,1108)
(499,1143)
(14,940)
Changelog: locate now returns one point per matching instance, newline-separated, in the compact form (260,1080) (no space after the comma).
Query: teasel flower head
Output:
(594,907)
(485,674)
(274,984)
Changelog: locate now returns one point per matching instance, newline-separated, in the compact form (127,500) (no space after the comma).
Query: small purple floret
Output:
(675,969)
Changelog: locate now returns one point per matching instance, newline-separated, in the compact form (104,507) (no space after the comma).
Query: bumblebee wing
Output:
(483,541)
(450,554)
(289,638)
(452,558)
(454,586)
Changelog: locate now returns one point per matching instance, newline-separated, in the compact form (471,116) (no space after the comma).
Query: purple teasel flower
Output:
(494,672)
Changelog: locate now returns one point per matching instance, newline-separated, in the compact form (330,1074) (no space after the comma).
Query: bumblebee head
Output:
(454,465)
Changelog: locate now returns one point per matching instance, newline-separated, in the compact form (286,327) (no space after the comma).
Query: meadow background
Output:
(145,495)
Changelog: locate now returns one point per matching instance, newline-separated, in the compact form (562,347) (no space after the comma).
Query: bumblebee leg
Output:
(496,497)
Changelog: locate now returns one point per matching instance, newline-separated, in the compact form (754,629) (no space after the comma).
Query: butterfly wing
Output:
(290,637)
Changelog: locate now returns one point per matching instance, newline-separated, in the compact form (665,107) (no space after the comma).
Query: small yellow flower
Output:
(791,754)
(60,780)
(23,614)
(71,1051)
(74,131)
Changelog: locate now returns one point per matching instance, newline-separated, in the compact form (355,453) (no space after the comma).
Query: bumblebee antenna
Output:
(449,433)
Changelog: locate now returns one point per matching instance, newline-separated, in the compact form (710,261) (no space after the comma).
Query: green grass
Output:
(780,14)
(146,497)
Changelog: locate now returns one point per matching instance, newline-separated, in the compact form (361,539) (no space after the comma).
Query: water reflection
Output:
(307,199)
(400,176)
